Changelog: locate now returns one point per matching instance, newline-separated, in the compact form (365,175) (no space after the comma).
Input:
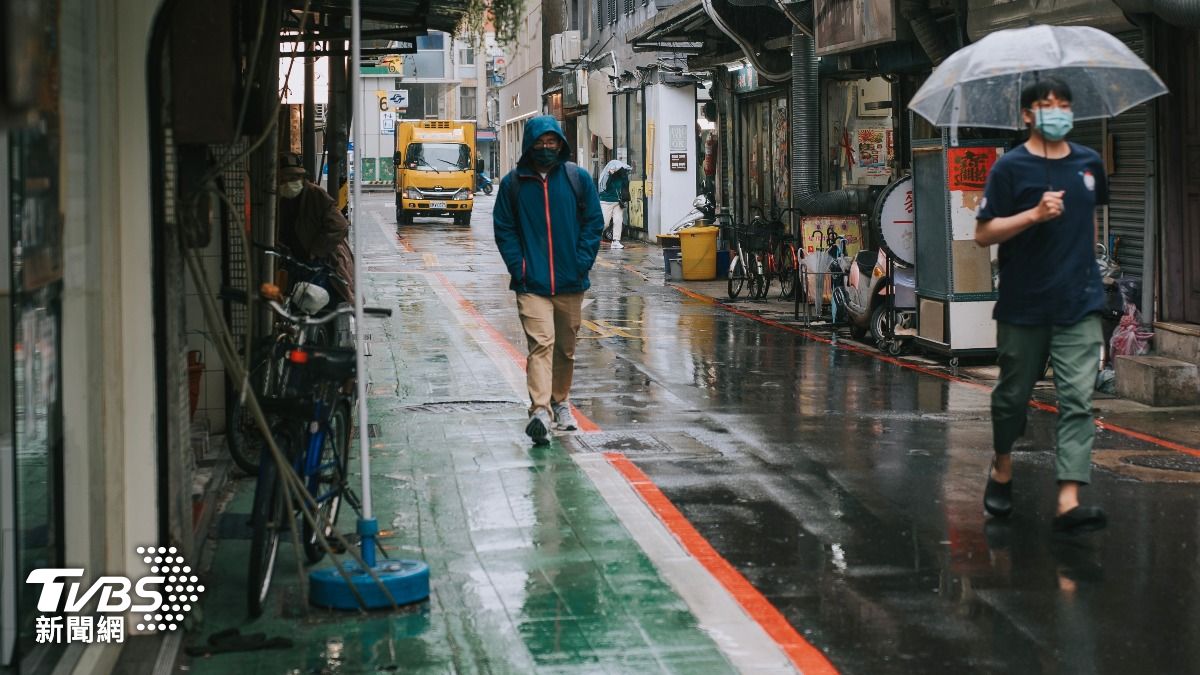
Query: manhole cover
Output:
(1178,462)
(623,442)
(461,406)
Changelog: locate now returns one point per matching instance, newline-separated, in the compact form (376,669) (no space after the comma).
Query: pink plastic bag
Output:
(1129,339)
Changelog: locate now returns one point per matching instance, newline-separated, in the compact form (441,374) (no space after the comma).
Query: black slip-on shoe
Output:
(997,497)
(1081,519)
(538,428)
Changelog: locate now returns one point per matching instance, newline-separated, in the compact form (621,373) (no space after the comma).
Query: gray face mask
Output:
(291,189)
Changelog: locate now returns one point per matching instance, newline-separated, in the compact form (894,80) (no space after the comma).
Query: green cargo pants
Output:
(1074,352)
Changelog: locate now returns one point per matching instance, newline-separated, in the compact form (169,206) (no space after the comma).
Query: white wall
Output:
(521,95)
(673,190)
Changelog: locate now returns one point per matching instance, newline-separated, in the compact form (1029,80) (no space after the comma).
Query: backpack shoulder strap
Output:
(576,181)
(512,188)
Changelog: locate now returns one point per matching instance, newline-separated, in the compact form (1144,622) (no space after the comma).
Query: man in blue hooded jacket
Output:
(549,242)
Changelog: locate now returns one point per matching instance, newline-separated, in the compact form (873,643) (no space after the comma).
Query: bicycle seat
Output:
(335,363)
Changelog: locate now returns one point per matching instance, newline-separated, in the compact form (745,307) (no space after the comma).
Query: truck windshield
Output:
(438,157)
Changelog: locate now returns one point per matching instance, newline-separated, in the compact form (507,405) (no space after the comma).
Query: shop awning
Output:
(404,17)
(673,29)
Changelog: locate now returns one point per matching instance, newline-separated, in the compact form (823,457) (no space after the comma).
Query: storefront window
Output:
(35,239)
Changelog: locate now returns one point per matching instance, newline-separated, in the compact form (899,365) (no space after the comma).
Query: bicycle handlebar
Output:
(324,318)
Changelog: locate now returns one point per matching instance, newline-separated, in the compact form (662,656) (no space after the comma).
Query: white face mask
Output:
(291,189)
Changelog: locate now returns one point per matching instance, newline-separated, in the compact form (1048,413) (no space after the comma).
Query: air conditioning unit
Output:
(581,86)
(571,47)
(874,97)
(565,48)
(556,50)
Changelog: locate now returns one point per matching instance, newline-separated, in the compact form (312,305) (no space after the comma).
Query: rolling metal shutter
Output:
(1127,184)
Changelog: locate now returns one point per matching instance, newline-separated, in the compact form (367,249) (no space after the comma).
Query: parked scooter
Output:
(483,183)
(703,208)
(865,299)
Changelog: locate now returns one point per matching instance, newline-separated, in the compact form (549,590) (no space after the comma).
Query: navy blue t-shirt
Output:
(1048,273)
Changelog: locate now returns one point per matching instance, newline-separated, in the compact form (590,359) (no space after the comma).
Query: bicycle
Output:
(786,259)
(761,261)
(739,272)
(312,427)
(325,459)
(242,435)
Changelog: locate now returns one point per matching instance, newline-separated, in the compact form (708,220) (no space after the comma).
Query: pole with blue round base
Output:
(405,580)
(391,582)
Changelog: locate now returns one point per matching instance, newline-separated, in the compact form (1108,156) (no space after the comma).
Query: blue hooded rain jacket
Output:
(546,248)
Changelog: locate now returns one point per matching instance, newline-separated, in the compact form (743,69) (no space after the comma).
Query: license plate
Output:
(437,205)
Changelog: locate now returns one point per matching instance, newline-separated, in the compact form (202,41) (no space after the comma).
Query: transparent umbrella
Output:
(980,85)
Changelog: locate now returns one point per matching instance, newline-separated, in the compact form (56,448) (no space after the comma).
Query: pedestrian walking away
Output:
(614,197)
(311,227)
(547,226)
(1039,206)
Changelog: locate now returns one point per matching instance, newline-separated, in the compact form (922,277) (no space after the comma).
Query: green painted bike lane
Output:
(531,571)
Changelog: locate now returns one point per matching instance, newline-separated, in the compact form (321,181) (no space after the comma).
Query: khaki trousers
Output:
(550,324)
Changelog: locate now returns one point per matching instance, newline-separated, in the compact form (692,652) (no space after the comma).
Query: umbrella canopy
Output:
(980,85)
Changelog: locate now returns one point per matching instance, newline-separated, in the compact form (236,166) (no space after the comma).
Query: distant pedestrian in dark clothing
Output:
(1039,205)
(311,226)
(614,197)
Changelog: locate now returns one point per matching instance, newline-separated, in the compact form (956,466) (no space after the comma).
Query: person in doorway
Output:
(1039,205)
(547,226)
(614,197)
(310,225)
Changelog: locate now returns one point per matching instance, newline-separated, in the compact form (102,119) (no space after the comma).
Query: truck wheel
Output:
(462,218)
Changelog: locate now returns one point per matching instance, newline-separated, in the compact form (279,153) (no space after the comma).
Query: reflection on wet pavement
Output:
(844,488)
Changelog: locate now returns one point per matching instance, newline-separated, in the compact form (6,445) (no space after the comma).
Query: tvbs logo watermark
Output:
(159,601)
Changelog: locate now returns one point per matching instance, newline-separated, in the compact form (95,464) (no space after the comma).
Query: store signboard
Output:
(679,161)
(745,79)
(847,25)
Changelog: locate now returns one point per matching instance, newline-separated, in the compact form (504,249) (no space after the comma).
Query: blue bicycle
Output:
(307,392)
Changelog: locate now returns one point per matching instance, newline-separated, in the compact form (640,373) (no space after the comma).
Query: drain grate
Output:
(372,431)
(635,443)
(461,406)
(1165,462)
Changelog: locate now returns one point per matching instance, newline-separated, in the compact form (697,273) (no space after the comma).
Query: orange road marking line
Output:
(806,657)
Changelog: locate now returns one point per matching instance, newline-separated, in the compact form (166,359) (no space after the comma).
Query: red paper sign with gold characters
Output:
(967,168)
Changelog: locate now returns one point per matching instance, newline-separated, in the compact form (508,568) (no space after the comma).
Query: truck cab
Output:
(435,170)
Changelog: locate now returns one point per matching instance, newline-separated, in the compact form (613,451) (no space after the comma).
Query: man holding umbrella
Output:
(1039,206)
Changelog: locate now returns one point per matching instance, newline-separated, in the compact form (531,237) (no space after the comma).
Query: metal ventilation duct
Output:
(806,142)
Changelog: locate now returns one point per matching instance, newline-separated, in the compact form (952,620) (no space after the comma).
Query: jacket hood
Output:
(534,128)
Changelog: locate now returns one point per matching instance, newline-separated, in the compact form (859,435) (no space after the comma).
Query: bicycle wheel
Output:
(787,271)
(737,278)
(242,436)
(766,272)
(329,483)
(267,520)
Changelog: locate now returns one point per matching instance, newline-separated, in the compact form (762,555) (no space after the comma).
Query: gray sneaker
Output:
(563,417)
(538,427)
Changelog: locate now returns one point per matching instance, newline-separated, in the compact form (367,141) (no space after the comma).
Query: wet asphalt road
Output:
(847,489)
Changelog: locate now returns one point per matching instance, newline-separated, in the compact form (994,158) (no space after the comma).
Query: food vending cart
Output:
(956,289)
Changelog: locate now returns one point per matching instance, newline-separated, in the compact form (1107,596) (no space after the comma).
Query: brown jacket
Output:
(313,227)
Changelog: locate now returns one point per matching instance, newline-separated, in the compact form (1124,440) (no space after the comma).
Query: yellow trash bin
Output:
(699,246)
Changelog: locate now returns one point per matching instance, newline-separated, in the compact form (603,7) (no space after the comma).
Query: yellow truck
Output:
(435,169)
